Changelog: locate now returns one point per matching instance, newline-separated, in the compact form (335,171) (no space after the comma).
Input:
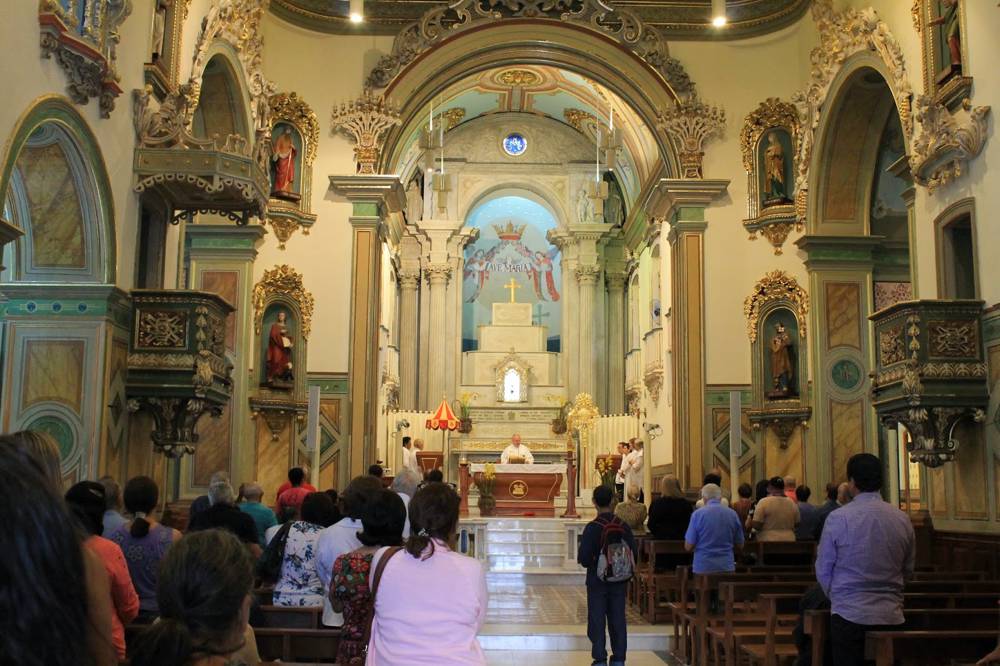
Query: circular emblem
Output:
(515,144)
(846,374)
(518,488)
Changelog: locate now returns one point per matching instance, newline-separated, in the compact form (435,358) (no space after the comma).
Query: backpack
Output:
(616,561)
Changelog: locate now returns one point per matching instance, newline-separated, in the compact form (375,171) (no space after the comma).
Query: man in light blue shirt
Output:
(865,555)
(713,533)
(113,518)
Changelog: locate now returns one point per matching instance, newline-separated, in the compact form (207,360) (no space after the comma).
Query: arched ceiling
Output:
(676,19)
(558,94)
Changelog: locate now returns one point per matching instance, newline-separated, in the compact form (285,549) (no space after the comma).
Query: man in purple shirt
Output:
(865,555)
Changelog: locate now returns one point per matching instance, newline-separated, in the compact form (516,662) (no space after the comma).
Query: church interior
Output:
(752,235)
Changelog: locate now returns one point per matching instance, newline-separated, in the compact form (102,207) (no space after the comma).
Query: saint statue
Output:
(952,33)
(774,171)
(614,208)
(414,203)
(584,207)
(283,166)
(279,353)
(159,28)
(781,363)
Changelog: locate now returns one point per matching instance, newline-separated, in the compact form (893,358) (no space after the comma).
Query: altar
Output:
(520,490)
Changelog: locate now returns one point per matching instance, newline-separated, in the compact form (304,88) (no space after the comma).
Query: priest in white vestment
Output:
(516,453)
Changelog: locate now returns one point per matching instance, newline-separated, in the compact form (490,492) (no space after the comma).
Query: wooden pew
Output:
(656,589)
(292,617)
(777,647)
(928,647)
(744,618)
(306,645)
(782,552)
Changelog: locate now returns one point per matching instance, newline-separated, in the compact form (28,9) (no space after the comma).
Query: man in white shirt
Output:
(341,537)
(623,451)
(516,453)
(409,455)
(632,464)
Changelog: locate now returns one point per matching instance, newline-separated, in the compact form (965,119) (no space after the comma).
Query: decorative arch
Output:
(543,195)
(86,253)
(223,104)
(497,43)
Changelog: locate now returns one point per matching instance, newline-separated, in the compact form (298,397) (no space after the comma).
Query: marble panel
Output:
(53,371)
(787,461)
(330,472)
(971,499)
(57,226)
(213,453)
(511,314)
(225,284)
(843,314)
(272,455)
(847,427)
(936,483)
(522,339)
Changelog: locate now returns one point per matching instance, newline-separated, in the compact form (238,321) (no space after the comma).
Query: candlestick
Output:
(432,116)
(597,161)
(612,119)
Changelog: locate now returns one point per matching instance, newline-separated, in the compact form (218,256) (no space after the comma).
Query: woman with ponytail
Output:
(431,601)
(204,600)
(144,542)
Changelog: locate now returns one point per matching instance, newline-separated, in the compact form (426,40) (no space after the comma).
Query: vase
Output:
(465,426)
(487,505)
(558,426)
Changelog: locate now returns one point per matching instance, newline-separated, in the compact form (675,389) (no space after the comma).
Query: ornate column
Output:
(570,331)
(373,199)
(438,275)
(409,283)
(615,281)
(586,277)
(683,202)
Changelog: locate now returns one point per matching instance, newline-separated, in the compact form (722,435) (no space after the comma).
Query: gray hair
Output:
(252,491)
(406,482)
(219,477)
(711,491)
(221,492)
(112,493)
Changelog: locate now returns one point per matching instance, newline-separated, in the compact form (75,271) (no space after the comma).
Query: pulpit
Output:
(429,461)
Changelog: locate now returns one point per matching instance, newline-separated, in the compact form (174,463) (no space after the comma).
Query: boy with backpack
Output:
(607,550)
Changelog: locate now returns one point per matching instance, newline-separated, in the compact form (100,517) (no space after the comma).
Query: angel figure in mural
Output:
(283,154)
(279,352)
(774,171)
(475,273)
(541,269)
(781,363)
(584,207)
(952,32)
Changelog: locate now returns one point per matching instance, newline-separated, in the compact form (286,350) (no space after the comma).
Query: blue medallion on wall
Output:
(515,144)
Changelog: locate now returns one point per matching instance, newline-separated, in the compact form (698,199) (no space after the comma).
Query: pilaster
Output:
(374,199)
(219,259)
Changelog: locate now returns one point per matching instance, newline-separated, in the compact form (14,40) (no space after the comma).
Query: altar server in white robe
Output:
(516,452)
(632,466)
(409,455)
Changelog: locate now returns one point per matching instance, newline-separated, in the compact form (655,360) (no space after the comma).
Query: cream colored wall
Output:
(324,70)
(27,76)
(738,76)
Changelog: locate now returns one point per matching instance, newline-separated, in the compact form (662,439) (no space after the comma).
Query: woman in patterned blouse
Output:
(299,584)
(350,592)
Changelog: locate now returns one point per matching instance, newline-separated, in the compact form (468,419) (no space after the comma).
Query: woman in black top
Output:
(669,515)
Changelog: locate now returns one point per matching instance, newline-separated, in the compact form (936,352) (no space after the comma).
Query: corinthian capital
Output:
(587,274)
(366,120)
(615,280)
(409,279)
(690,125)
(438,273)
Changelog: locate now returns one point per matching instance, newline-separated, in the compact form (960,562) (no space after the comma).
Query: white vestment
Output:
(410,461)
(633,470)
(516,452)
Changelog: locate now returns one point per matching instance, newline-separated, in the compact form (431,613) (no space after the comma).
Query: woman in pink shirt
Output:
(431,601)
(86,501)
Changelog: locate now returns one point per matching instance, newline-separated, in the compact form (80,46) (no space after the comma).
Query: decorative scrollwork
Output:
(618,23)
(366,120)
(771,113)
(284,281)
(690,124)
(292,108)
(776,286)
(944,146)
(162,329)
(954,338)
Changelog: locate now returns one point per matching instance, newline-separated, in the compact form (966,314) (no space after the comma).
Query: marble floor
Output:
(516,603)
(507,658)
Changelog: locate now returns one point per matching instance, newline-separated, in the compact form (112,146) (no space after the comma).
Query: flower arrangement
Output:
(606,471)
(559,422)
(485,482)
(463,405)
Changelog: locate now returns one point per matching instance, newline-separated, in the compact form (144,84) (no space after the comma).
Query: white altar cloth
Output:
(538,468)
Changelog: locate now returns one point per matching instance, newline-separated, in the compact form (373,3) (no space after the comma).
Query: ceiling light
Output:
(357,11)
(718,13)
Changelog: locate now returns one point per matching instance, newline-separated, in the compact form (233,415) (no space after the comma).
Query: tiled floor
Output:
(543,604)
(571,659)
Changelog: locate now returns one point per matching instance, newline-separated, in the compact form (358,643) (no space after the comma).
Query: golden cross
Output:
(512,285)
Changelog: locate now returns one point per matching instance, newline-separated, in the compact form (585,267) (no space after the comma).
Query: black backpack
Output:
(269,564)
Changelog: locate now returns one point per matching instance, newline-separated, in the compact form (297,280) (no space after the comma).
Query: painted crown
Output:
(510,232)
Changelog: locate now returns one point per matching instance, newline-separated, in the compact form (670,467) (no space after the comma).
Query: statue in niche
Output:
(279,354)
(414,203)
(952,34)
(584,207)
(614,207)
(283,154)
(775,191)
(159,28)
(781,363)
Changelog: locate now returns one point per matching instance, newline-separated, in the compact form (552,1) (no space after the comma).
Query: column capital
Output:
(438,273)
(840,251)
(371,195)
(586,274)
(409,279)
(672,194)
(224,239)
(615,280)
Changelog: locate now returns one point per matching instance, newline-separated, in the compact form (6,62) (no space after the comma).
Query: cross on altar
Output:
(512,285)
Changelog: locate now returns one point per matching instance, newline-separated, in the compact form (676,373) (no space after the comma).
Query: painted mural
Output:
(512,246)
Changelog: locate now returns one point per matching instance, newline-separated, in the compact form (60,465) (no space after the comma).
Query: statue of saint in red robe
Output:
(279,351)
(283,166)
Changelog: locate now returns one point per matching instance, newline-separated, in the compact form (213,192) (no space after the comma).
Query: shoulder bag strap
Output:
(376,579)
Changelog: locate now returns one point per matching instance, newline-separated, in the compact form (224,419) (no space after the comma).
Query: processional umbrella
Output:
(443,419)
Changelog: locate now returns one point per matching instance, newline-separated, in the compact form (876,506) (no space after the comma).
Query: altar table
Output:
(523,489)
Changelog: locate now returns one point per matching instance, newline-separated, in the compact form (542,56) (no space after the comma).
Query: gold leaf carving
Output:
(776,286)
(287,282)
(293,109)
